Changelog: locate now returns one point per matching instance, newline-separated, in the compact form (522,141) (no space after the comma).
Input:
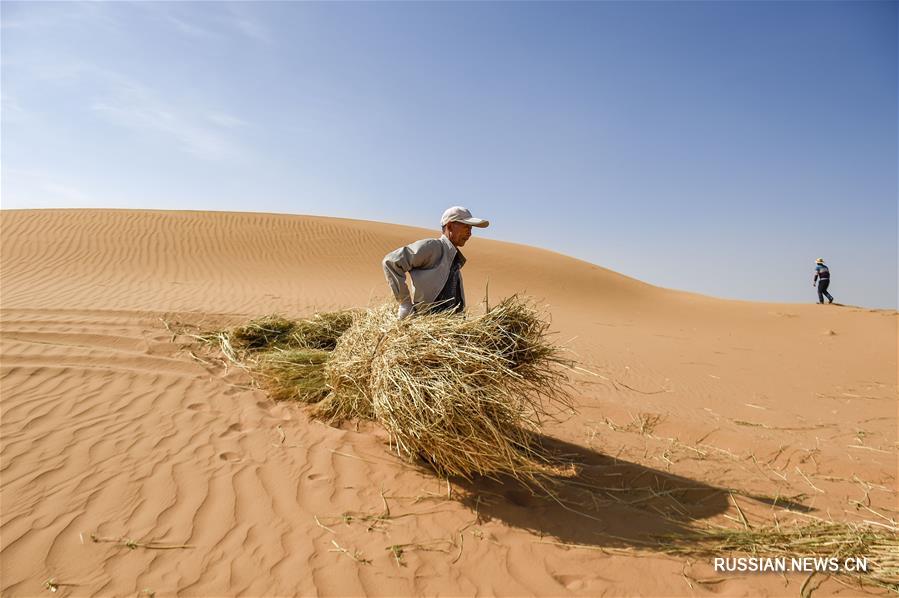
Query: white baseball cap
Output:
(463,215)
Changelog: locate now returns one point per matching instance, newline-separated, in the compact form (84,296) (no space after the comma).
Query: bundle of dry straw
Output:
(466,393)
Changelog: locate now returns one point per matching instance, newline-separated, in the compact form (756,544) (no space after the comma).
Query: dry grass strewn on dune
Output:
(878,543)
(465,393)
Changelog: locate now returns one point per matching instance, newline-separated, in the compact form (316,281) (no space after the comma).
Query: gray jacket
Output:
(428,263)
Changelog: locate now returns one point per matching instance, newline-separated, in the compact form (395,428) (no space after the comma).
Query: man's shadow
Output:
(609,502)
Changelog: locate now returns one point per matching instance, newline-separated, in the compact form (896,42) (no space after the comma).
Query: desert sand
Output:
(114,428)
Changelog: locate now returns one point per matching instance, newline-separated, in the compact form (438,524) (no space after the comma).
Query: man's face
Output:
(458,233)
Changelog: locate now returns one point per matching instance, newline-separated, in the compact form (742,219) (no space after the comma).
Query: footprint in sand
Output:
(229,456)
(281,412)
(232,429)
(571,582)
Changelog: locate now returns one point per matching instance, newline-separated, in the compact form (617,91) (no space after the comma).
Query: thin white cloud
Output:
(207,130)
(127,103)
(211,21)
(170,14)
(247,25)
(188,28)
(218,21)
(37,16)
(225,120)
(11,111)
(143,113)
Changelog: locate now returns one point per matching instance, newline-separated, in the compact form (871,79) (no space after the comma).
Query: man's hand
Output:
(405,309)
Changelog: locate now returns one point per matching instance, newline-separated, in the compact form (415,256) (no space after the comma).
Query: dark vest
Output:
(450,296)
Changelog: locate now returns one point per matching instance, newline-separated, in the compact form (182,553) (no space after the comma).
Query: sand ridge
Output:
(110,426)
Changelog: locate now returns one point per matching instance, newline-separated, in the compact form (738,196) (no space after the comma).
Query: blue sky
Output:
(715,147)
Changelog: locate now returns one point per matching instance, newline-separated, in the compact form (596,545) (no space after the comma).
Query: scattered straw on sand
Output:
(879,544)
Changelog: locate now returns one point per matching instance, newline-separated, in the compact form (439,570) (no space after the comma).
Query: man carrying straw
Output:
(434,265)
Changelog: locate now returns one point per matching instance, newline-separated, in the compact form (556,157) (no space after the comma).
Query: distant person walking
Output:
(822,279)
(434,265)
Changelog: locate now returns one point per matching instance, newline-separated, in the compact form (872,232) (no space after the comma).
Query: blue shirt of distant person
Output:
(822,279)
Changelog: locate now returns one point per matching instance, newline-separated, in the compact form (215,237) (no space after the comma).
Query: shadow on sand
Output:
(609,503)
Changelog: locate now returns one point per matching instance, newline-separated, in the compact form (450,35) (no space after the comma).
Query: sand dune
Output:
(111,427)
